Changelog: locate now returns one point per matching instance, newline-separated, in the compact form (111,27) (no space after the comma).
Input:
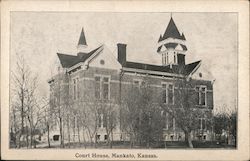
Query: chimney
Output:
(121,48)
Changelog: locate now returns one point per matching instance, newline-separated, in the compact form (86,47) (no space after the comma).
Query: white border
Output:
(241,7)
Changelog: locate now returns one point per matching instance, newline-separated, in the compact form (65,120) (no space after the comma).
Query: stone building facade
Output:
(92,85)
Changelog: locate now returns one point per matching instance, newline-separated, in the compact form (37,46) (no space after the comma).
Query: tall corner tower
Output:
(171,46)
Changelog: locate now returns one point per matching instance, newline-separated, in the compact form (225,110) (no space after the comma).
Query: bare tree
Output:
(24,96)
(184,110)
(141,115)
(110,119)
(226,119)
(61,100)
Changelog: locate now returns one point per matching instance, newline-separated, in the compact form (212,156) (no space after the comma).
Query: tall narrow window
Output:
(163,58)
(104,120)
(202,123)
(167,58)
(201,95)
(175,58)
(164,93)
(102,87)
(170,122)
(97,87)
(76,91)
(170,94)
(99,120)
(77,88)
(197,89)
(167,121)
(105,88)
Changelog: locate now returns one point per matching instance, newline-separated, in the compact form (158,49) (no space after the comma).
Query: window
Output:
(164,58)
(168,93)
(76,91)
(171,122)
(105,137)
(99,120)
(97,87)
(202,123)
(104,119)
(167,121)
(105,88)
(201,95)
(167,58)
(102,87)
(175,58)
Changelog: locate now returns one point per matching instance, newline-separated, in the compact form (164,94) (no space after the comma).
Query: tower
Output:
(171,46)
(82,46)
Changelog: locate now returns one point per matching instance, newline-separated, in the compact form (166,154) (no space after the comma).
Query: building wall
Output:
(119,89)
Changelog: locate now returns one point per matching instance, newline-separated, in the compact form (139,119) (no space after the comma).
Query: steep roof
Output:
(176,69)
(68,61)
(82,39)
(171,32)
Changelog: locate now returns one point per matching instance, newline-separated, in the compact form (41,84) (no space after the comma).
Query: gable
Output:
(178,47)
(105,59)
(203,73)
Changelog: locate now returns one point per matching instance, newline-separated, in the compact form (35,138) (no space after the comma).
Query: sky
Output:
(210,37)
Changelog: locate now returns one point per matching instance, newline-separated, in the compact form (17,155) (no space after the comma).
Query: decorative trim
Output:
(152,72)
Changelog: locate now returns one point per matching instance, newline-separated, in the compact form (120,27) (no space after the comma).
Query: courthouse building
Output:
(95,77)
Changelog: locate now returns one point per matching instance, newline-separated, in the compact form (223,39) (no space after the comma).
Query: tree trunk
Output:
(27,140)
(31,137)
(84,141)
(188,139)
(61,133)
(95,143)
(111,146)
(68,131)
(48,135)
(19,139)
(78,133)
(131,141)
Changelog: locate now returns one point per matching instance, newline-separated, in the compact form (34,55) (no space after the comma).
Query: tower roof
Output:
(82,40)
(172,32)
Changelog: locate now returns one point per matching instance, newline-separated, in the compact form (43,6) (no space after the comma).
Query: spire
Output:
(160,38)
(172,31)
(82,40)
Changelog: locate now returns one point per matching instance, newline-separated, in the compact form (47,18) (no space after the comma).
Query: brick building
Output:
(93,82)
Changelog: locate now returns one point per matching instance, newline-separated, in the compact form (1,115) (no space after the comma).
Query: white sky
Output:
(211,37)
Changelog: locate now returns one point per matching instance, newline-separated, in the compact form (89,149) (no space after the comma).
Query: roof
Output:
(171,45)
(176,69)
(68,61)
(82,40)
(172,31)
